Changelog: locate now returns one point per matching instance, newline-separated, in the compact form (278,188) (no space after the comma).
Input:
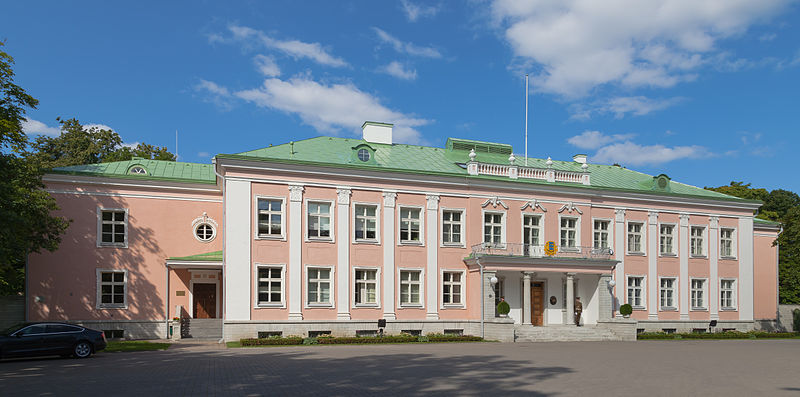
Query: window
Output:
(451,227)
(666,239)
(270,217)
(451,288)
(698,294)
(319,221)
(601,234)
(270,285)
(531,230)
(635,296)
(205,232)
(409,225)
(366,292)
(727,294)
(137,170)
(726,243)
(363,155)
(696,241)
(493,228)
(635,238)
(668,293)
(568,232)
(410,286)
(366,222)
(113,228)
(111,289)
(319,286)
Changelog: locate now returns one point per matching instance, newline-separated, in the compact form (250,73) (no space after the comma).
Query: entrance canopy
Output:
(209,260)
(524,257)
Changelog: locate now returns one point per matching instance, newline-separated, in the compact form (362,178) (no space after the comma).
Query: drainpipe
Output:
(483,309)
(27,291)
(166,308)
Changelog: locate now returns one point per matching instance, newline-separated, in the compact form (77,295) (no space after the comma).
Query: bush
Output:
(345,340)
(716,335)
(310,341)
(796,319)
(274,340)
(626,309)
(423,338)
(503,308)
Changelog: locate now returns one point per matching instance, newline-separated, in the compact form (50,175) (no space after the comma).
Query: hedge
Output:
(345,340)
(290,340)
(716,335)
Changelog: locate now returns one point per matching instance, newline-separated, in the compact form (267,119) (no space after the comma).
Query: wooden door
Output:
(537,303)
(205,300)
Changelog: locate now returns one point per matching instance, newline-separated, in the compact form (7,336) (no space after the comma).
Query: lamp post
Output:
(611,285)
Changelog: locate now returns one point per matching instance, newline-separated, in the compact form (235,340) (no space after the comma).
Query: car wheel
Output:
(82,350)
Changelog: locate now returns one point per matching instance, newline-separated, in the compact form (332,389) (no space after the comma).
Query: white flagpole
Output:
(176,145)
(526,120)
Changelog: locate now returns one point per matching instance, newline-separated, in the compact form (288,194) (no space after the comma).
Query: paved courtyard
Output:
(746,368)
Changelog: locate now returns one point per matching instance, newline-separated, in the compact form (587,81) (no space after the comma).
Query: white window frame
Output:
(421,210)
(675,288)
(542,240)
(643,287)
(324,305)
(577,233)
(377,271)
(257,235)
(421,304)
(674,239)
(704,290)
(609,231)
(332,238)
(642,240)
(463,224)
(98,284)
(213,232)
(734,294)
(703,242)
(377,239)
(503,228)
(462,283)
(734,246)
(256,303)
(100,243)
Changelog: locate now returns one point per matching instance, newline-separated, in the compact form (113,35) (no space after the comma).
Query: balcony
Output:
(537,251)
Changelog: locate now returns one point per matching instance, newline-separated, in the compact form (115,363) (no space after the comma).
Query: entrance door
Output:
(205,300)
(537,303)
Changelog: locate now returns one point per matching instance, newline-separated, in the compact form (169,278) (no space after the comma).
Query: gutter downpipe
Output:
(478,261)
(166,308)
(224,268)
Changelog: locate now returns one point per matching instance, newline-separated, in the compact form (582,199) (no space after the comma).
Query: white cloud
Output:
(581,44)
(266,65)
(397,69)
(596,139)
(331,108)
(629,153)
(416,11)
(406,48)
(294,48)
(203,154)
(622,106)
(31,127)
(767,37)
(97,126)
(215,94)
(131,145)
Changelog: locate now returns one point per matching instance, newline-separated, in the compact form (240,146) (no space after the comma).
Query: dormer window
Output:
(363,155)
(138,170)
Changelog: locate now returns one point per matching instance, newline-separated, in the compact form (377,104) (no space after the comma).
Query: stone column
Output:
(238,238)
(570,298)
(526,298)
(746,259)
(606,310)
(652,264)
(619,250)
(683,270)
(295,252)
(432,240)
(488,295)
(713,270)
(343,252)
(389,272)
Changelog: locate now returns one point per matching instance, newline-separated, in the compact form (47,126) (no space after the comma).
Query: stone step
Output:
(202,328)
(563,333)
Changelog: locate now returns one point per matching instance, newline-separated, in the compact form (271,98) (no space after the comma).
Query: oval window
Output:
(204,232)
(363,155)
(138,171)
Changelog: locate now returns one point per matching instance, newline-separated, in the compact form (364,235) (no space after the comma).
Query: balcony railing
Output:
(537,251)
(522,172)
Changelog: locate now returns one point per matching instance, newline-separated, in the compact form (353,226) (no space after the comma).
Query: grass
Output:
(718,335)
(134,346)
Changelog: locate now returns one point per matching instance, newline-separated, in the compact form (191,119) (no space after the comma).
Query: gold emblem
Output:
(550,248)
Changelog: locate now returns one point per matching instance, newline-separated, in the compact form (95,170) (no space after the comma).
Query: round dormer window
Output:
(363,155)
(137,170)
(205,232)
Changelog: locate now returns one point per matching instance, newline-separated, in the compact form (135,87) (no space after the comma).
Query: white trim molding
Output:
(331,304)
(256,234)
(398,285)
(269,305)
(463,288)
(377,281)
(98,284)
(125,223)
(462,223)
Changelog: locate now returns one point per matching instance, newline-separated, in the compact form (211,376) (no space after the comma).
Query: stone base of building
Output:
(692,326)
(131,329)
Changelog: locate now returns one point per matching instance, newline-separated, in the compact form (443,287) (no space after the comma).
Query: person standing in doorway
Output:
(578,310)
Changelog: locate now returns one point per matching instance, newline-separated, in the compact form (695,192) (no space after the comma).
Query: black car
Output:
(46,339)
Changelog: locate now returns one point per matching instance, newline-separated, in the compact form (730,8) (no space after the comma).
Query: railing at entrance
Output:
(537,251)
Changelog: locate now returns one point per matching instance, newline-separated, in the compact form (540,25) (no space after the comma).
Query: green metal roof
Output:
(215,256)
(339,152)
(766,222)
(155,170)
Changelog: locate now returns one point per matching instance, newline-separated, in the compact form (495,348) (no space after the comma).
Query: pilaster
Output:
(605,308)
(570,299)
(652,265)
(295,234)
(526,298)
(713,271)
(683,276)
(343,252)
(488,295)
(389,272)
(237,278)
(745,281)
(619,251)
(432,269)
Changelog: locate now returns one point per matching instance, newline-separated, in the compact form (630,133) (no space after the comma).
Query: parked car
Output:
(46,339)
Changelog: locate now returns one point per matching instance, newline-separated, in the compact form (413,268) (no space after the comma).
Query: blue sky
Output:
(706,92)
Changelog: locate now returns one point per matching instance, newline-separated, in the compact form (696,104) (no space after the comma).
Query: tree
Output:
(142,150)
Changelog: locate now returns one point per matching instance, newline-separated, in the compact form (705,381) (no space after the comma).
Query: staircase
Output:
(564,333)
(202,328)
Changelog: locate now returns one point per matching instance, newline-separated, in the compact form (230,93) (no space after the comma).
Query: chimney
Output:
(377,132)
(579,158)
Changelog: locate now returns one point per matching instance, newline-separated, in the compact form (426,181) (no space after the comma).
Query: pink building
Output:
(329,235)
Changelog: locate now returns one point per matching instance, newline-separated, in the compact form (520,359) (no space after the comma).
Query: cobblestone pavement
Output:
(653,368)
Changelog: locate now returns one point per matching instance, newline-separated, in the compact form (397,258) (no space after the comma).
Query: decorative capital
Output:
(619,215)
(653,217)
(684,220)
(343,195)
(433,201)
(713,222)
(389,199)
(296,192)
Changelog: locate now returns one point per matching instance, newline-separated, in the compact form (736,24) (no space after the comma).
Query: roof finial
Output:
(472,154)
(549,162)
(511,158)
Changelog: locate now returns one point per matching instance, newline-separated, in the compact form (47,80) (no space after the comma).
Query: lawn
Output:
(134,346)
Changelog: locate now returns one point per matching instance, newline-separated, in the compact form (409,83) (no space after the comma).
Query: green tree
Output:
(142,150)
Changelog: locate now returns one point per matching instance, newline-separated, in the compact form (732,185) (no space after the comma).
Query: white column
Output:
(526,298)
(652,264)
(745,283)
(295,252)
(619,248)
(238,205)
(343,252)
(432,239)
(683,275)
(389,271)
(570,299)
(713,271)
